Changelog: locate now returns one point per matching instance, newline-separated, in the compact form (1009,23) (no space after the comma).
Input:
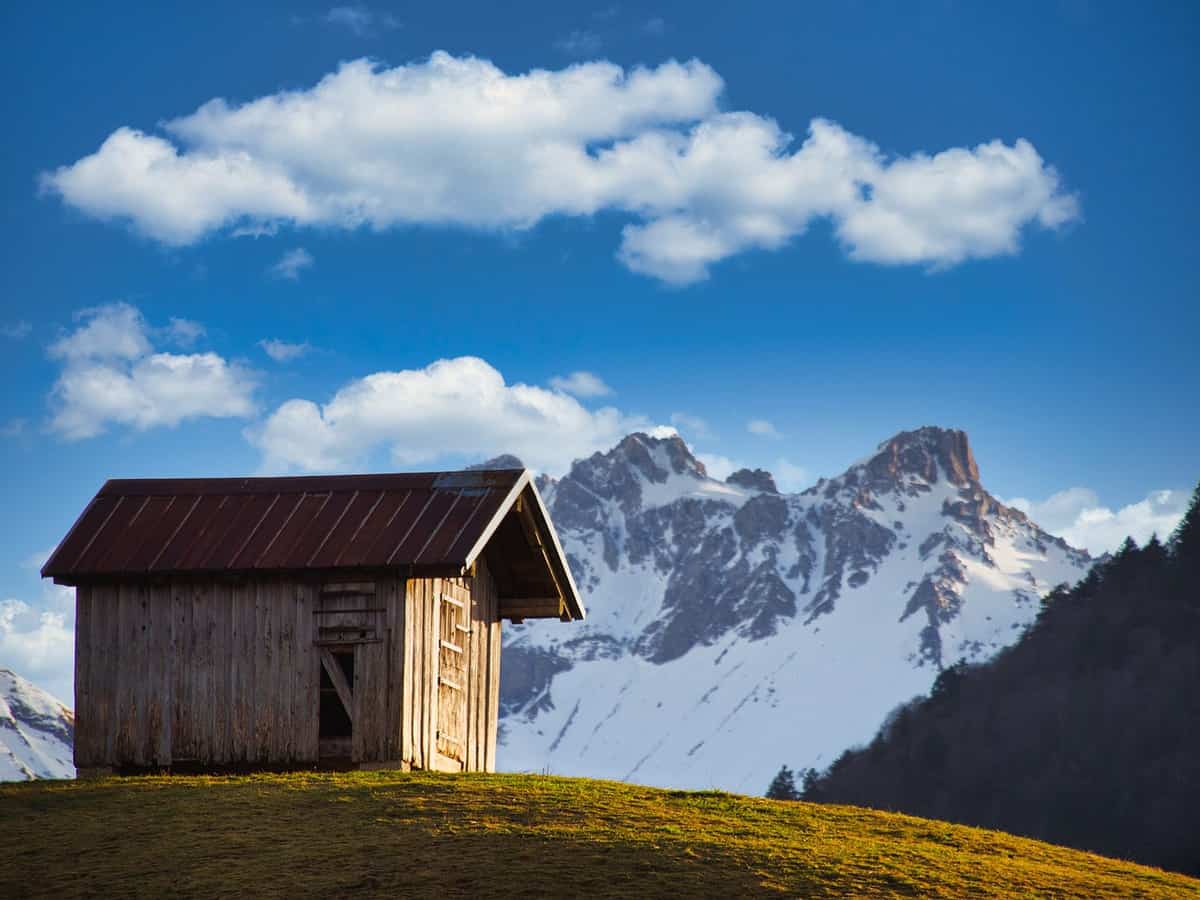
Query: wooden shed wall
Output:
(218,672)
(226,672)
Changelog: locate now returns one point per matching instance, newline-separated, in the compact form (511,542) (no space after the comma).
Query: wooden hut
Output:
(311,621)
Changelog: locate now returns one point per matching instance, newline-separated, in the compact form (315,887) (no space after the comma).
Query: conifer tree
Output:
(783,786)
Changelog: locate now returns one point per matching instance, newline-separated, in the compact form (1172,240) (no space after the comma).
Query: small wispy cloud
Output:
(282,351)
(16,330)
(184,332)
(581,384)
(580,42)
(762,428)
(291,264)
(655,26)
(360,20)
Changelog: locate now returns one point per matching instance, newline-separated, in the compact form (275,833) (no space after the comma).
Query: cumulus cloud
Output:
(282,351)
(291,264)
(693,426)
(111,375)
(16,330)
(453,406)
(37,639)
(1078,517)
(581,384)
(718,466)
(790,477)
(456,141)
(762,428)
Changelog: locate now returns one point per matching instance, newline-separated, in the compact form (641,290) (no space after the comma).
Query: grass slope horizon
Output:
(507,835)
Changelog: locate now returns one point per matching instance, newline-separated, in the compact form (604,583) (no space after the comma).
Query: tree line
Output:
(1086,732)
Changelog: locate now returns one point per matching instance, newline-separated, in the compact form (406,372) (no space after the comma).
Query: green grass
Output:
(339,834)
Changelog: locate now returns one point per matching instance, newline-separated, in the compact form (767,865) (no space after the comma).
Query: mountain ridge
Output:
(896,567)
(36,732)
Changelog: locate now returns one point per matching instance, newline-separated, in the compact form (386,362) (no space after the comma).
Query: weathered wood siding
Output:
(483,697)
(227,672)
(454,596)
(219,672)
(419,700)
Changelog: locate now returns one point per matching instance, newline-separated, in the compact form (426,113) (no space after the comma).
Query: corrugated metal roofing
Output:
(246,524)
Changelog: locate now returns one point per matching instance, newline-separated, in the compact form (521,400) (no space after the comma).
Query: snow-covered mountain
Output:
(36,732)
(732,628)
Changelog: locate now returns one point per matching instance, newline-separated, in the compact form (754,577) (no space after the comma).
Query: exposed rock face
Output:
(754,479)
(715,604)
(503,461)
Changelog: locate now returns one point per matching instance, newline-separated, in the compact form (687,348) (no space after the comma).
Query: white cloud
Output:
(718,466)
(581,384)
(291,264)
(37,640)
(453,406)
(455,141)
(16,330)
(693,426)
(790,477)
(282,351)
(1078,517)
(359,19)
(111,375)
(762,428)
(184,332)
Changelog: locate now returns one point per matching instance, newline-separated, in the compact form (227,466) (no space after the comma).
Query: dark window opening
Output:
(334,720)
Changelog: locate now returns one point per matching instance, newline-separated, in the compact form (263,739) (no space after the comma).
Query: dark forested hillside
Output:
(1084,733)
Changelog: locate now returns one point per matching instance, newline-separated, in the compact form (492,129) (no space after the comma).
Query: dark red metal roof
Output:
(434,520)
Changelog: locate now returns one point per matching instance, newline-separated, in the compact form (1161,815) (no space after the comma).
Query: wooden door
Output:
(352,640)
(454,635)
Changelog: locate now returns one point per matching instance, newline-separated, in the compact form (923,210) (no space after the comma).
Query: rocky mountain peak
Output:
(503,461)
(754,479)
(929,453)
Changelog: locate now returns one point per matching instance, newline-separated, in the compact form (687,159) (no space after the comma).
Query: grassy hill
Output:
(457,836)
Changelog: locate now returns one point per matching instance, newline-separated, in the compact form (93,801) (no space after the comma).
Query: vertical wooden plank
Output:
(286,685)
(396,677)
(312,678)
(431,694)
(126,669)
(107,643)
(83,666)
(493,676)
(237,673)
(263,655)
(301,636)
(182,669)
(158,613)
(201,712)
(222,601)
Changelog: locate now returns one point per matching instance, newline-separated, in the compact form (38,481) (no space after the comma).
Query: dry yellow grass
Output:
(369,833)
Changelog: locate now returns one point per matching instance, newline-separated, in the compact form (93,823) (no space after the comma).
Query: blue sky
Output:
(915,266)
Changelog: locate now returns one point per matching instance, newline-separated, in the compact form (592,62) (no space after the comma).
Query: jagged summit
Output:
(754,479)
(722,609)
(503,461)
(929,452)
